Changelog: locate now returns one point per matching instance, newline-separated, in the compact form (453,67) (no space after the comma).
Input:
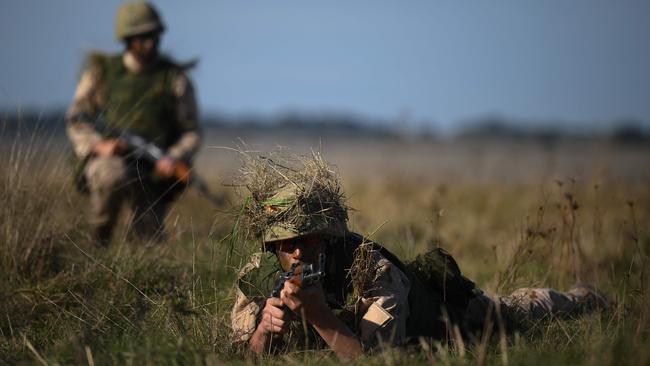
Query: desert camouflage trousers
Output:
(527,306)
(112,182)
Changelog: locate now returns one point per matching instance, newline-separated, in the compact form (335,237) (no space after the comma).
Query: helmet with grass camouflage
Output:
(138,17)
(295,213)
(292,196)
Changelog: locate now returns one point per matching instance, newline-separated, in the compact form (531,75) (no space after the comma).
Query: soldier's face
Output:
(145,46)
(299,250)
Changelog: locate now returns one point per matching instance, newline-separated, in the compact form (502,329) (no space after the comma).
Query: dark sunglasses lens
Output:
(287,246)
(146,36)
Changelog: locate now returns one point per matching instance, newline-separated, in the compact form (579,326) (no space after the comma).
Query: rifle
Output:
(141,148)
(305,275)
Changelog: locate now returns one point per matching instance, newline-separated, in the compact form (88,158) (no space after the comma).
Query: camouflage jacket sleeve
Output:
(187,118)
(383,309)
(81,112)
(254,284)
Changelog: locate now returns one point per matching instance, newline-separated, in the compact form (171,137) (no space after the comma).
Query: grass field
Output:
(512,214)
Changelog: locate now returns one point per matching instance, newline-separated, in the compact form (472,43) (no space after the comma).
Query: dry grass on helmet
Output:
(314,185)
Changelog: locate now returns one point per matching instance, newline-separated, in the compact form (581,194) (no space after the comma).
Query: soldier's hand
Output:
(307,302)
(275,320)
(166,167)
(109,147)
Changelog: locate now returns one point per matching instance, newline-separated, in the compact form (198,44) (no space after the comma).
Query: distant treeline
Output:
(347,125)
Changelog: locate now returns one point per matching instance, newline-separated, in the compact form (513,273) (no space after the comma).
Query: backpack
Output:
(439,272)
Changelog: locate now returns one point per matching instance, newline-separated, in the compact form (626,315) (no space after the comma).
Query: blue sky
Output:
(441,62)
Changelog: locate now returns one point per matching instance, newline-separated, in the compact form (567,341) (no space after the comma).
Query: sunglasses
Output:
(155,35)
(290,245)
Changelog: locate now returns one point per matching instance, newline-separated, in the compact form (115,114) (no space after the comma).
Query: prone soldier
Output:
(368,297)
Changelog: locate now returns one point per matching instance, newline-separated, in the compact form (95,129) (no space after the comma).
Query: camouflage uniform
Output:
(386,312)
(525,307)
(156,102)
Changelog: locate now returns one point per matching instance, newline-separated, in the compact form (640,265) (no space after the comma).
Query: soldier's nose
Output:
(297,252)
(149,43)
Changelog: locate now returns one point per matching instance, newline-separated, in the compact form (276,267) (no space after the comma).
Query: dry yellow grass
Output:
(511,214)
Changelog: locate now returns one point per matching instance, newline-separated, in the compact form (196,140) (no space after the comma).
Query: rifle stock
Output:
(182,172)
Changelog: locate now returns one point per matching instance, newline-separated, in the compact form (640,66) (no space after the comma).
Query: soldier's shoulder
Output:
(258,275)
(98,61)
(179,66)
(94,57)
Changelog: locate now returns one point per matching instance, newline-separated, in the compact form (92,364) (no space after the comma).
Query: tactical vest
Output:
(439,292)
(142,103)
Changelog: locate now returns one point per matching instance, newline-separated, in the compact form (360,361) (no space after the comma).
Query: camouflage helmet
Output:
(324,218)
(137,17)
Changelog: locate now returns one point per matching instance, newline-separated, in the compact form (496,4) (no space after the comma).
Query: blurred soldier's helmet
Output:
(135,18)
(297,213)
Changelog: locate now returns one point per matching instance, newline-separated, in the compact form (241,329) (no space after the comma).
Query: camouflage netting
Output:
(298,194)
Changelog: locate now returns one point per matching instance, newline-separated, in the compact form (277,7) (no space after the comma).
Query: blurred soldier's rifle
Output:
(140,148)
(304,275)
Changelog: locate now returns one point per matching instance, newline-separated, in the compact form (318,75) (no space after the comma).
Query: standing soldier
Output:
(336,290)
(140,92)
